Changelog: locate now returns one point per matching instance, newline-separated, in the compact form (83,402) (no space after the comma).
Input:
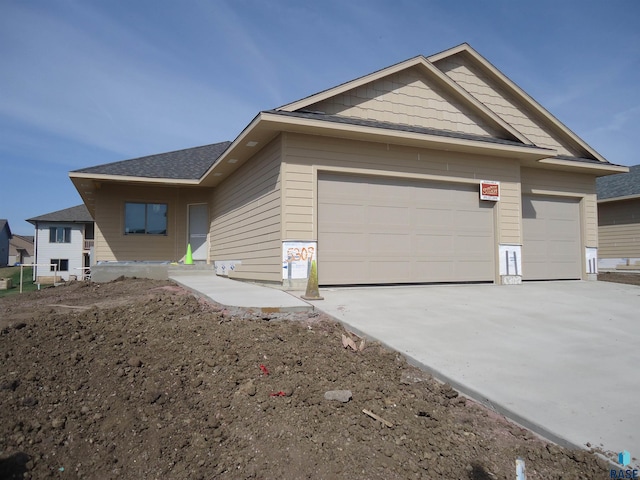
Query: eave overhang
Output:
(267,126)
(598,169)
(619,199)
(87,183)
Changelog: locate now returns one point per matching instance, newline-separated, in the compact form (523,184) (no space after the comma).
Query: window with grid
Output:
(59,264)
(59,234)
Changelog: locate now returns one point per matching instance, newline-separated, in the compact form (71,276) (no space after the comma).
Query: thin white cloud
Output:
(68,82)
(620,120)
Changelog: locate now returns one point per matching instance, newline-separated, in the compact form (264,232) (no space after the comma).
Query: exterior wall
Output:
(482,87)
(619,229)
(47,251)
(20,250)
(306,155)
(538,181)
(4,247)
(111,244)
(406,98)
(246,215)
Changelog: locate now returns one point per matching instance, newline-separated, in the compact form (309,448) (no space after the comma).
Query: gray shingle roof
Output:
(619,185)
(77,214)
(392,126)
(188,164)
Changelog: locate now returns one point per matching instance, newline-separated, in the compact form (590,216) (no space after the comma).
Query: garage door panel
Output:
(434,244)
(432,217)
(383,243)
(386,215)
(472,247)
(348,214)
(552,243)
(412,232)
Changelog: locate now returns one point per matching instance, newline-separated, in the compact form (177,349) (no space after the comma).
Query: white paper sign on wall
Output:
(510,259)
(296,259)
(591,256)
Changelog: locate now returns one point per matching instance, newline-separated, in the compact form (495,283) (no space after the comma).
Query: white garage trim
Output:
(376,230)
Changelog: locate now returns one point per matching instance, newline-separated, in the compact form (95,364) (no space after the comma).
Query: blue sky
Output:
(85,82)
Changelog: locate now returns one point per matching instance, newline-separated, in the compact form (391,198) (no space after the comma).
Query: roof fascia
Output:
(344,87)
(602,170)
(619,199)
(510,85)
(376,134)
(132,179)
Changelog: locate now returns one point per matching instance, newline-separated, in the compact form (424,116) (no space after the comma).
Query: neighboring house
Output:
(63,244)
(5,237)
(377,178)
(20,250)
(619,220)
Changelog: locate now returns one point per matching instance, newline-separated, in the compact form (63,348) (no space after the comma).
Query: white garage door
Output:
(551,230)
(375,230)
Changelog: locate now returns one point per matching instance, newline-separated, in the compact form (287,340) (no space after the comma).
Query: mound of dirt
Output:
(140,379)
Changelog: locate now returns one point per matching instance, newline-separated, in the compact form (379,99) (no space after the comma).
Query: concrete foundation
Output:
(510,280)
(107,272)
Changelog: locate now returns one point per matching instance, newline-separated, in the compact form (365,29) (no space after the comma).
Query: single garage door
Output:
(375,230)
(551,230)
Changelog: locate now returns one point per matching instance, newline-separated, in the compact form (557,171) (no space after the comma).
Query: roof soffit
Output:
(519,93)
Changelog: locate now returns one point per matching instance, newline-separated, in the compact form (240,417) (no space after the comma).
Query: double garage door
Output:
(375,230)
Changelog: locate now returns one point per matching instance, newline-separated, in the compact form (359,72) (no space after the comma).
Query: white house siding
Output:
(47,251)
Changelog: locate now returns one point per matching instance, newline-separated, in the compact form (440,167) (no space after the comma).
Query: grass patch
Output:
(14,274)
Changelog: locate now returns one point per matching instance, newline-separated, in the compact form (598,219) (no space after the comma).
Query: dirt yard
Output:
(618,277)
(138,379)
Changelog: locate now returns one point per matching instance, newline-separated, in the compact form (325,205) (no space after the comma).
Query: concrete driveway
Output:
(561,358)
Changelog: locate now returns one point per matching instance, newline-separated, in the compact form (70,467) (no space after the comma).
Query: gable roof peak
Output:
(434,74)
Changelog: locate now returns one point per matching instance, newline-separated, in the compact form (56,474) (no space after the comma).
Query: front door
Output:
(198,230)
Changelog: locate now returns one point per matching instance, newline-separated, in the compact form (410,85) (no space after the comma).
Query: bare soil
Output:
(139,379)
(617,277)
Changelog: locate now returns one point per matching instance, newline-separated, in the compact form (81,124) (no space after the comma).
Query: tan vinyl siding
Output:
(112,244)
(298,203)
(538,181)
(619,241)
(246,213)
(619,230)
(306,155)
(406,98)
(478,84)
